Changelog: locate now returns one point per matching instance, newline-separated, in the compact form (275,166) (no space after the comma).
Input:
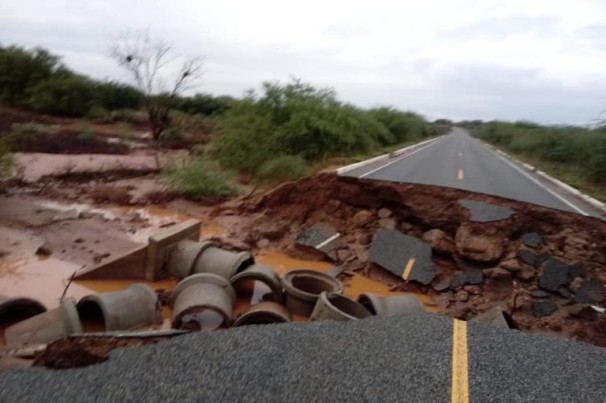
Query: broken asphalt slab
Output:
(322,237)
(403,255)
(484,212)
(555,274)
(313,362)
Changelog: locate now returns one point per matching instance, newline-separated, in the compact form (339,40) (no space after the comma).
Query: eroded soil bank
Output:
(478,265)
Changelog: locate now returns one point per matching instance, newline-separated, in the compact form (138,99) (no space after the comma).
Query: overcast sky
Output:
(541,60)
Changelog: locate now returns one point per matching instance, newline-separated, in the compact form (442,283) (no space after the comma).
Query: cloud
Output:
(512,59)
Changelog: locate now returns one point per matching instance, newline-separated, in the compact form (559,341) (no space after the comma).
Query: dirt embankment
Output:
(546,268)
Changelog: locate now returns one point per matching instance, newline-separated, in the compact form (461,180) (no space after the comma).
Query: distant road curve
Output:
(460,161)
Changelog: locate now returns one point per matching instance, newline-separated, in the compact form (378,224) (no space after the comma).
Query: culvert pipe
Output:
(392,305)
(222,262)
(264,274)
(264,313)
(134,307)
(303,288)
(46,327)
(13,310)
(332,306)
(202,292)
(183,257)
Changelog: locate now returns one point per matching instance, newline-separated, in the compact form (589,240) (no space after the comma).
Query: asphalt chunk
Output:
(485,212)
(532,240)
(397,252)
(555,274)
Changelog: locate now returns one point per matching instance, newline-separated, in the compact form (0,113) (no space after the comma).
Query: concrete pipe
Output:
(303,288)
(13,310)
(331,306)
(264,313)
(183,257)
(202,301)
(134,307)
(393,305)
(46,327)
(222,262)
(264,274)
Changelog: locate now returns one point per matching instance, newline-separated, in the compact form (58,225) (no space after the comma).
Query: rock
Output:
(526,273)
(462,296)
(591,290)
(344,255)
(473,276)
(495,316)
(539,294)
(577,270)
(78,240)
(498,274)
(384,213)
(364,238)
(543,308)
(43,250)
(362,218)
(263,243)
(473,289)
(575,284)
(532,239)
(565,292)
(512,265)
(439,241)
(442,285)
(527,256)
(396,252)
(387,223)
(473,244)
(554,275)
(576,242)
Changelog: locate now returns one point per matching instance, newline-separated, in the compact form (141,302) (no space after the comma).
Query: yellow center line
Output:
(411,262)
(460,175)
(460,366)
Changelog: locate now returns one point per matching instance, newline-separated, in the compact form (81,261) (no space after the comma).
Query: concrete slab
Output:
(161,243)
(403,255)
(484,212)
(127,266)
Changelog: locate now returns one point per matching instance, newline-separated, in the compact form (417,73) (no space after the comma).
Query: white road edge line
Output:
(535,180)
(400,159)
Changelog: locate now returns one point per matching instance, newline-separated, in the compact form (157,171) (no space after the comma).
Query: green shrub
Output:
(198,178)
(86,136)
(172,134)
(66,94)
(283,168)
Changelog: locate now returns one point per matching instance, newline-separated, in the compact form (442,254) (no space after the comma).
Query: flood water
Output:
(45,278)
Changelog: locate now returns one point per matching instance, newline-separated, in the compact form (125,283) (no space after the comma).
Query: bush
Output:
(283,168)
(6,160)
(65,94)
(198,178)
(298,119)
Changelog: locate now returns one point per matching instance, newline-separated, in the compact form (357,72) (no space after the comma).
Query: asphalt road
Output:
(458,160)
(388,359)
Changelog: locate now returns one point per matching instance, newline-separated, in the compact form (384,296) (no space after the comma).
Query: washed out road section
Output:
(457,160)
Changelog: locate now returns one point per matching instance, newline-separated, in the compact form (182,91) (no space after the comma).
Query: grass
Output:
(199,178)
(570,174)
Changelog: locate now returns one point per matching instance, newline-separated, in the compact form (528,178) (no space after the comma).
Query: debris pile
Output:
(544,268)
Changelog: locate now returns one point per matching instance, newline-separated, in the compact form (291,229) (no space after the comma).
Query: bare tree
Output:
(149,62)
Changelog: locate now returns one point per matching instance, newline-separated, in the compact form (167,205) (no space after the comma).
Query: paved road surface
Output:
(389,359)
(460,161)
